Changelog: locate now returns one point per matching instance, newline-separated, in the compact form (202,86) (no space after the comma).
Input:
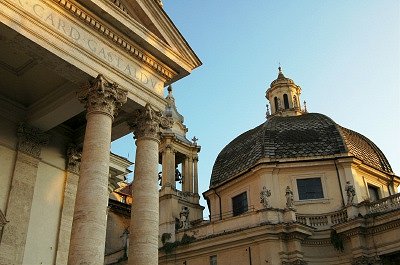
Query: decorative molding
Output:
(115,38)
(74,155)
(101,96)
(364,260)
(31,140)
(18,71)
(146,123)
(295,262)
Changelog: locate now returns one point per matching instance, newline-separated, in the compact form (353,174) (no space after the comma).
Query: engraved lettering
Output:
(61,25)
(110,57)
(144,78)
(136,75)
(118,61)
(102,52)
(153,83)
(128,70)
(74,33)
(92,45)
(38,10)
(50,18)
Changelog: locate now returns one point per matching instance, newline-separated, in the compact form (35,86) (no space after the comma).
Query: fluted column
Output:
(195,175)
(13,240)
(102,99)
(143,240)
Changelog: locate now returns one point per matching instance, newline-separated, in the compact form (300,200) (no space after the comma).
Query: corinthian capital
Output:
(102,96)
(147,123)
(74,155)
(31,140)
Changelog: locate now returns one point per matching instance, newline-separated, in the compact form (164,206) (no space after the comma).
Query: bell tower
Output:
(284,97)
(179,198)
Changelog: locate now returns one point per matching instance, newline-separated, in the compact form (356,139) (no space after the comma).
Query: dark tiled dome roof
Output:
(308,135)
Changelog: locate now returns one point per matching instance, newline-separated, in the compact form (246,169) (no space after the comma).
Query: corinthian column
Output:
(101,99)
(143,241)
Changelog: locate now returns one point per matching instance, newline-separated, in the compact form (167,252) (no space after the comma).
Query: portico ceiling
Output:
(43,87)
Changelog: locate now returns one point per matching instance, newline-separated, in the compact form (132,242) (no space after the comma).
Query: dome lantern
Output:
(284,96)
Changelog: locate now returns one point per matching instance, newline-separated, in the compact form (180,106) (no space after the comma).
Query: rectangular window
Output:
(310,188)
(373,193)
(213,260)
(239,204)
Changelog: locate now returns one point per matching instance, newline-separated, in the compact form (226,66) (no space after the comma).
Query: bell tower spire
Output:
(284,96)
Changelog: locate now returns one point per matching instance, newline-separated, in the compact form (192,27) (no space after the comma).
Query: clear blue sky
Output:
(345,55)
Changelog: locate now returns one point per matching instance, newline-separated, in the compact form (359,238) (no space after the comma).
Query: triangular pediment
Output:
(135,11)
(152,17)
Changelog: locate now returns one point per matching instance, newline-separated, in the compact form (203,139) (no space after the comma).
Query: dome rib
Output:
(308,135)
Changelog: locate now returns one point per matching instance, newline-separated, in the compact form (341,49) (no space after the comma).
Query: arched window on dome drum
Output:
(276,104)
(286,101)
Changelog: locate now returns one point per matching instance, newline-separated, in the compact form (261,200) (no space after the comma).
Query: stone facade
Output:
(62,62)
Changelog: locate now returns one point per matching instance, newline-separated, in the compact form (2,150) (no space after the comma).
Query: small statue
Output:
(264,194)
(350,191)
(184,218)
(289,198)
(125,240)
(178,175)
(295,104)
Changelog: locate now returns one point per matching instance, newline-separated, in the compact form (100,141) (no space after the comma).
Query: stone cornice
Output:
(116,38)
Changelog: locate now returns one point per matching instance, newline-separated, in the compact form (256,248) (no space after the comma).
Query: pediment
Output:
(153,18)
(135,10)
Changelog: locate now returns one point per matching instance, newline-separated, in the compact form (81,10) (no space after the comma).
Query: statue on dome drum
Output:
(289,198)
(351,192)
(264,194)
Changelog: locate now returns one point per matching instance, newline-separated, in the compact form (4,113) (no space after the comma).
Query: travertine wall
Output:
(45,187)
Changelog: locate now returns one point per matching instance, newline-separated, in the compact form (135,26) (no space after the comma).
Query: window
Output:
(276,104)
(286,101)
(213,260)
(310,188)
(373,193)
(239,204)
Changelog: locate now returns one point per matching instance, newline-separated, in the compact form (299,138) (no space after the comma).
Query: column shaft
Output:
(144,226)
(143,249)
(190,173)
(90,216)
(88,234)
(168,167)
(195,176)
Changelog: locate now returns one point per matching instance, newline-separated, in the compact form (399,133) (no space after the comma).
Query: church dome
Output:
(307,136)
